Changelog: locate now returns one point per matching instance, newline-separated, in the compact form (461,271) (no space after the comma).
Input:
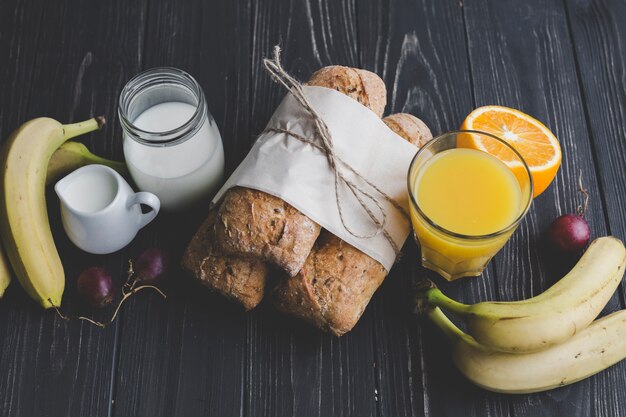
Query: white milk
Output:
(90,192)
(180,174)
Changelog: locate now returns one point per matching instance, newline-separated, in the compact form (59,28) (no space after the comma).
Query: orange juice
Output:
(467,200)
(468,192)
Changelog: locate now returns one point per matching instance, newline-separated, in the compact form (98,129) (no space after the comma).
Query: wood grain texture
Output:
(193,354)
(530,66)
(185,356)
(66,63)
(20,33)
(598,37)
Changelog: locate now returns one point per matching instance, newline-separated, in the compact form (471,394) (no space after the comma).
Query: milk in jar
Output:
(172,145)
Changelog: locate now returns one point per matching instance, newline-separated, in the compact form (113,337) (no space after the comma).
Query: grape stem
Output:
(129,288)
(582,209)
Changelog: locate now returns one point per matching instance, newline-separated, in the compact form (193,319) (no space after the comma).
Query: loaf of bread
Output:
(240,279)
(364,86)
(333,288)
(338,280)
(256,224)
(409,127)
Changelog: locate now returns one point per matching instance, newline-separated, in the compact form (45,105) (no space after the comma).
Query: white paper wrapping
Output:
(300,175)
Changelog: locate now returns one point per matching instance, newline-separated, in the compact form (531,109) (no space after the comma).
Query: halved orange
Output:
(531,138)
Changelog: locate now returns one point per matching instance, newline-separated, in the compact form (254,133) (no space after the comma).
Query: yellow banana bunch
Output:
(590,351)
(546,341)
(70,156)
(24,224)
(553,316)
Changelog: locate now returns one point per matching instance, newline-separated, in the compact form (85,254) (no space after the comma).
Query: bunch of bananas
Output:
(546,341)
(35,155)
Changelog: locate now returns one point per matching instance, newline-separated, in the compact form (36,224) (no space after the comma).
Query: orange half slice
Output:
(531,138)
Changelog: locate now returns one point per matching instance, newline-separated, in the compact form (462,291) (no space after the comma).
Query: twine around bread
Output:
(323,141)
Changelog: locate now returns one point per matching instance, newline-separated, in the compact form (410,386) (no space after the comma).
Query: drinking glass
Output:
(454,255)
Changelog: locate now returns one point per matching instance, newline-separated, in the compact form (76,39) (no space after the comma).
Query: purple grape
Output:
(569,233)
(153,266)
(95,287)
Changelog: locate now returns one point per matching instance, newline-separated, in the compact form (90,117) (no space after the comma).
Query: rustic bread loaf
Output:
(338,280)
(362,85)
(409,127)
(334,286)
(237,278)
(256,224)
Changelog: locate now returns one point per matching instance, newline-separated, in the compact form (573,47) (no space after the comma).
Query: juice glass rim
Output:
(518,219)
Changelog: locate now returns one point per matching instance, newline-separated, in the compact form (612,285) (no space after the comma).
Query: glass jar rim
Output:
(155,76)
(518,219)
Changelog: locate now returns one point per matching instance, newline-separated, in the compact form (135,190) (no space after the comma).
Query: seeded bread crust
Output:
(333,288)
(362,85)
(409,127)
(240,279)
(255,224)
(338,281)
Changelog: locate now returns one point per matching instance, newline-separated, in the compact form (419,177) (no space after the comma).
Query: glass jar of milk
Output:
(171,143)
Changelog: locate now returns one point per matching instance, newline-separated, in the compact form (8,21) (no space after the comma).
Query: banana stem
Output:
(439,299)
(444,324)
(452,332)
(76,129)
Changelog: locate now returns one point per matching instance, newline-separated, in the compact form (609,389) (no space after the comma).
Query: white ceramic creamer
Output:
(172,145)
(100,212)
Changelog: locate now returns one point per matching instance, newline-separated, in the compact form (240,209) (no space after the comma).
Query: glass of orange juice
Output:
(465,201)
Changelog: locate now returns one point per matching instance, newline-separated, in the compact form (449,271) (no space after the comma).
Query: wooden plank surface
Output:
(597,33)
(530,66)
(195,354)
(185,356)
(66,61)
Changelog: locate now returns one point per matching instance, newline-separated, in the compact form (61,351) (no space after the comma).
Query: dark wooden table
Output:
(563,61)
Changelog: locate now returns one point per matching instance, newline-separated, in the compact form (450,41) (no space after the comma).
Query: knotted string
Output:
(324,142)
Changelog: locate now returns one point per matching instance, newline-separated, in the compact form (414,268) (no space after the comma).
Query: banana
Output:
(559,313)
(70,156)
(5,272)
(24,221)
(73,155)
(590,351)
